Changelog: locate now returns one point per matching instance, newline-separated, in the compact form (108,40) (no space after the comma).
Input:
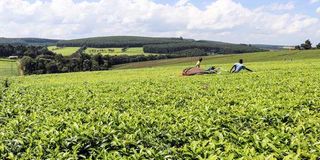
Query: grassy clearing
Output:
(65,51)
(8,68)
(116,51)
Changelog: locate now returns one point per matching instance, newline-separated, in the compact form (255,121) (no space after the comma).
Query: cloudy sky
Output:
(240,21)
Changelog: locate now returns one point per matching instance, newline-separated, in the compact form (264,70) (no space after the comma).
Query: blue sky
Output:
(239,21)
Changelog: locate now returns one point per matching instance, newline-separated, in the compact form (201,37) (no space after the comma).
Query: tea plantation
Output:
(155,113)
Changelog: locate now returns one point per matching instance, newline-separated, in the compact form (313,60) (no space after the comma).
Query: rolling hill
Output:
(270,47)
(135,41)
(160,45)
(119,41)
(28,41)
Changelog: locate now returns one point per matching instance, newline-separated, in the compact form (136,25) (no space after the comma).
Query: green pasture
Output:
(67,51)
(115,51)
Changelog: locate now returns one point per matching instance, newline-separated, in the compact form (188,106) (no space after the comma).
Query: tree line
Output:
(28,41)
(206,46)
(23,50)
(306,45)
(45,64)
(81,61)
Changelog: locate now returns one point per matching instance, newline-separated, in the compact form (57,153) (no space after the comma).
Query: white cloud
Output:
(221,20)
(182,2)
(277,7)
(314,1)
(283,6)
(223,14)
(284,24)
(318,10)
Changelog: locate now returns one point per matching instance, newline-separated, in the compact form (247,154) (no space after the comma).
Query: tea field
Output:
(155,113)
(8,68)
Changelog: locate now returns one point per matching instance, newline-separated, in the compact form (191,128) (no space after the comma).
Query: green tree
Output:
(87,65)
(98,58)
(27,64)
(307,44)
(318,46)
(51,67)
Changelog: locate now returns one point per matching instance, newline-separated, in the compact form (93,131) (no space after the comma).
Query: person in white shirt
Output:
(199,63)
(237,67)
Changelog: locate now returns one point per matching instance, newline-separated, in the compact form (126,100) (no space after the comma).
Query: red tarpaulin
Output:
(192,71)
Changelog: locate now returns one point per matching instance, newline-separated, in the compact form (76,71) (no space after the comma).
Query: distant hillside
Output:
(118,41)
(28,41)
(160,45)
(211,47)
(269,47)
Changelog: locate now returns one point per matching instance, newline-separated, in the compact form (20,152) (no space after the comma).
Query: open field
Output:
(116,51)
(8,68)
(65,51)
(155,113)
(284,55)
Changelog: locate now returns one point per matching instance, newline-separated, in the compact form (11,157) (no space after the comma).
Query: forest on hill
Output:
(119,41)
(160,45)
(206,46)
(28,41)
